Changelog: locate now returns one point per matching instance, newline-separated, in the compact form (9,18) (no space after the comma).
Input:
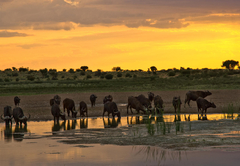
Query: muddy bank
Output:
(39,107)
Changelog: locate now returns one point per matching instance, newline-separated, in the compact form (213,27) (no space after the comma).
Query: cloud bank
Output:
(67,14)
(12,34)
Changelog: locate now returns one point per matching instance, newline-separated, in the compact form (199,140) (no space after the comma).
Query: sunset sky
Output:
(132,34)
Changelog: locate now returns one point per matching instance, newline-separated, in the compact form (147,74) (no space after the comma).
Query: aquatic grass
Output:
(229,110)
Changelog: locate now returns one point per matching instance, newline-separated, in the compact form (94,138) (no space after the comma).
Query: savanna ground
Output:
(225,88)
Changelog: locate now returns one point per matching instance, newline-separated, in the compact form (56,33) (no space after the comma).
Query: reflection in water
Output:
(72,125)
(8,133)
(68,125)
(19,132)
(201,117)
(58,127)
(84,123)
(160,124)
(159,155)
(111,122)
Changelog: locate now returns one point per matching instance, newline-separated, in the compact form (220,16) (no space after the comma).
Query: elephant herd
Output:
(139,103)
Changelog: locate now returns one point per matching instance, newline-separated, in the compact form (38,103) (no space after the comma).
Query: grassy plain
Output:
(65,82)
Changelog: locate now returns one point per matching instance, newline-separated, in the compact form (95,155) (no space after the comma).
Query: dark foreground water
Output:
(39,144)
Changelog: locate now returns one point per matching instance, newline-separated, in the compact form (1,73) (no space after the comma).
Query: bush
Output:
(54,78)
(109,76)
(152,78)
(74,77)
(31,78)
(32,71)
(71,71)
(53,73)
(88,76)
(17,79)
(185,72)
(102,76)
(82,73)
(15,74)
(98,73)
(22,69)
(212,73)
(1,80)
(128,75)
(171,73)
(44,72)
(119,74)
(6,80)
(134,76)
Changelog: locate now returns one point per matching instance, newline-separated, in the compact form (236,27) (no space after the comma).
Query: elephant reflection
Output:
(19,132)
(71,126)
(83,123)
(201,117)
(58,126)
(111,122)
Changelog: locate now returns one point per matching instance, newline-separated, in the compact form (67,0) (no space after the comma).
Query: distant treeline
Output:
(228,64)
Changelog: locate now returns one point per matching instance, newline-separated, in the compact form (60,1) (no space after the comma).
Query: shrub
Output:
(152,78)
(185,72)
(15,74)
(82,73)
(1,80)
(102,76)
(17,79)
(6,80)
(88,76)
(22,69)
(109,76)
(31,78)
(54,78)
(71,71)
(53,73)
(32,71)
(74,77)
(212,73)
(119,74)
(98,73)
(128,75)
(8,69)
(63,76)
(44,72)
(171,73)
(134,76)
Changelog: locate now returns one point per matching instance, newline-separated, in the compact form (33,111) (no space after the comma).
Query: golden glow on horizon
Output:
(99,47)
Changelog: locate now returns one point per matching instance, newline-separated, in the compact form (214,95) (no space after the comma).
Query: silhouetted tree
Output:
(98,72)
(8,69)
(84,68)
(230,64)
(71,70)
(44,72)
(153,68)
(116,69)
(14,68)
(22,69)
